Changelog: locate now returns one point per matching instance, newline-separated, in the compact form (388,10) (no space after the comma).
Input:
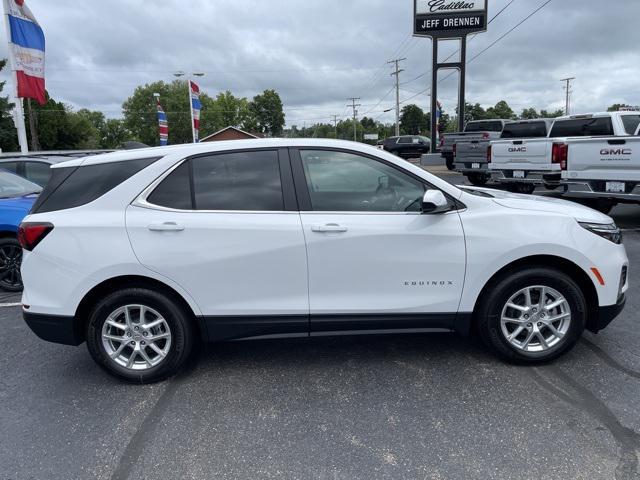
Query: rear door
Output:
(226,228)
(375,262)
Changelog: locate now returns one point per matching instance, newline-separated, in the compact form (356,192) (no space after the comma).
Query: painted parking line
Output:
(15,304)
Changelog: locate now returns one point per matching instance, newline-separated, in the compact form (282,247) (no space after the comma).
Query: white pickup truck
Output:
(537,161)
(603,171)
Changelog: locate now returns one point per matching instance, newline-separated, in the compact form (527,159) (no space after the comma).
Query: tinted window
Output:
(74,186)
(345,182)
(405,140)
(9,166)
(524,130)
(582,127)
(631,123)
(485,126)
(174,191)
(238,181)
(37,172)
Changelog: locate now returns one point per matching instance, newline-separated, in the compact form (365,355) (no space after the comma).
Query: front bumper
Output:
(535,177)
(597,189)
(54,328)
(606,315)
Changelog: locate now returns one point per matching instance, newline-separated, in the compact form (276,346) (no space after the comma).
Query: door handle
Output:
(329,228)
(166,227)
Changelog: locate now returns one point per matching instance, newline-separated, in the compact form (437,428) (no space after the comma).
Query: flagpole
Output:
(18,114)
(193,128)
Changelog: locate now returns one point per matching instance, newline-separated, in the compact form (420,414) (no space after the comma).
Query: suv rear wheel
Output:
(139,335)
(532,316)
(10,260)
(478,179)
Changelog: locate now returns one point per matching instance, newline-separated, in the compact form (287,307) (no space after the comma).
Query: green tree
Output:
(140,112)
(8,134)
(413,121)
(617,106)
(114,133)
(554,114)
(267,114)
(501,110)
(529,114)
(231,110)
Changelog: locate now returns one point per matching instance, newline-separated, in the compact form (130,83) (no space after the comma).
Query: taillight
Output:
(442,141)
(559,154)
(489,154)
(455,150)
(485,135)
(31,234)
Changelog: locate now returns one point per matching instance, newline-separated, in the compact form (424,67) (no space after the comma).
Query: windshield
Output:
(14,186)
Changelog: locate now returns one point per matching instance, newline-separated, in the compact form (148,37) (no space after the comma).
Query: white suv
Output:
(144,253)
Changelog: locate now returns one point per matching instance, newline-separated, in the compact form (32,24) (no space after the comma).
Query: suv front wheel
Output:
(139,335)
(532,316)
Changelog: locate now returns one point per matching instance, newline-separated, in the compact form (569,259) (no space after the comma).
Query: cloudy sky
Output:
(317,54)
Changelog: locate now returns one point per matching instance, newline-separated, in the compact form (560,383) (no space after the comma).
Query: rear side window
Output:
(582,127)
(525,130)
(630,123)
(405,140)
(9,166)
(75,186)
(243,181)
(488,126)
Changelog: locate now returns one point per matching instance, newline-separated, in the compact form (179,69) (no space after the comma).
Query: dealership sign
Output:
(449,18)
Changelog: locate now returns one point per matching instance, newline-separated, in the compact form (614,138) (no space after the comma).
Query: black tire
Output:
(478,179)
(180,326)
(600,204)
(524,188)
(497,294)
(449,163)
(10,261)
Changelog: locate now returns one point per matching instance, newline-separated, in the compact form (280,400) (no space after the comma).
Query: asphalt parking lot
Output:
(414,406)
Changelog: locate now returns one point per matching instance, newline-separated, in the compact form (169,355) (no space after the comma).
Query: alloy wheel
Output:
(136,337)
(535,319)
(10,260)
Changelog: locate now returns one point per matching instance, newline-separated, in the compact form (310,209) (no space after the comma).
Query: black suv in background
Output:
(407,146)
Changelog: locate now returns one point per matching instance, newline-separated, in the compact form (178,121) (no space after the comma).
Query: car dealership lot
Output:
(413,406)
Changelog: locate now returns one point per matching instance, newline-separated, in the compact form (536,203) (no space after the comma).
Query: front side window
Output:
(405,140)
(346,182)
(248,181)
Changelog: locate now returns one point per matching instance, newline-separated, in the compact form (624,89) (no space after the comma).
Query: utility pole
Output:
(335,125)
(568,91)
(397,75)
(354,105)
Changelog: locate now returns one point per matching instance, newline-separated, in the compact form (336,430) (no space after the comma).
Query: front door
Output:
(220,226)
(375,261)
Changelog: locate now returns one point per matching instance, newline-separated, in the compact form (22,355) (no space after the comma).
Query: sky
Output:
(318,54)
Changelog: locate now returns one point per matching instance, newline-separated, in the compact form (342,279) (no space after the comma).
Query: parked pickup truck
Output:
(603,171)
(517,140)
(538,161)
(474,130)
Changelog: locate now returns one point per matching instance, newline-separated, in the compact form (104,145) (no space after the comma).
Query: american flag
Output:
(194,91)
(163,126)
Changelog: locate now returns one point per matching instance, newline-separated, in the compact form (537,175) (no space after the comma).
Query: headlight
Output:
(609,231)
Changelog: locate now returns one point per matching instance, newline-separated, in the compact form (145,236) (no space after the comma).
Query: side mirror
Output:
(434,202)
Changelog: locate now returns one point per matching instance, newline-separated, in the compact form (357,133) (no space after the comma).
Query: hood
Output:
(545,204)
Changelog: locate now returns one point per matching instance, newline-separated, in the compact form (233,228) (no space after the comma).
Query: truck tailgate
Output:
(522,154)
(613,158)
(472,150)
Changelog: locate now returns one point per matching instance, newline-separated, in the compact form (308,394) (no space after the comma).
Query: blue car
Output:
(17,195)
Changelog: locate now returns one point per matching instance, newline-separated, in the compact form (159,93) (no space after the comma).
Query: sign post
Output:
(448,19)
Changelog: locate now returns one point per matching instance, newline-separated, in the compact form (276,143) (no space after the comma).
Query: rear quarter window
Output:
(631,123)
(71,187)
